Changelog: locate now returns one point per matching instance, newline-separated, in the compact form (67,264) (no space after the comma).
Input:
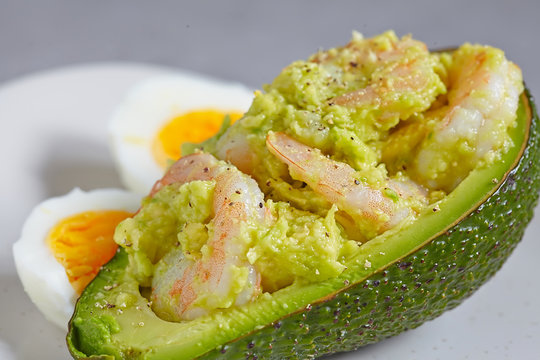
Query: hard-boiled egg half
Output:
(63,244)
(160,114)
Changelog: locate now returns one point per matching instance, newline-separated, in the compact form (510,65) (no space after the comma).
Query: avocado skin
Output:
(407,293)
(418,288)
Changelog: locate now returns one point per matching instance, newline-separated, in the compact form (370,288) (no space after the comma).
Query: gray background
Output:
(246,41)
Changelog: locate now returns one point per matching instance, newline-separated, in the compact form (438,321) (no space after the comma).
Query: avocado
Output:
(397,282)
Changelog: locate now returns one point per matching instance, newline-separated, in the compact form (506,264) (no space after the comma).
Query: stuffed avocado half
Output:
(367,190)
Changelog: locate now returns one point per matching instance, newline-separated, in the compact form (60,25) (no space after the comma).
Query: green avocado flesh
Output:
(395,281)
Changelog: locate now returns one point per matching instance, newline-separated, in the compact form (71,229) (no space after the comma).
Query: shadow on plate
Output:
(380,351)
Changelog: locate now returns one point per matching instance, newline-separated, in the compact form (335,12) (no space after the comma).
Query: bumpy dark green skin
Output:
(438,277)
(418,288)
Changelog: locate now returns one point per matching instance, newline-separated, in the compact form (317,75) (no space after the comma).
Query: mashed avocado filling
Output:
(297,247)
(378,106)
(304,101)
(175,216)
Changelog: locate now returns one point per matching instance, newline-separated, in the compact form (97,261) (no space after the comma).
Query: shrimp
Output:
(482,104)
(373,211)
(235,148)
(377,81)
(187,289)
(402,78)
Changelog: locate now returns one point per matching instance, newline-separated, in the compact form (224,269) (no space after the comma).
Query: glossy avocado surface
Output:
(398,282)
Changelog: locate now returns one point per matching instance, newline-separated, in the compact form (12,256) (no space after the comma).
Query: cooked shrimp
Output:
(368,84)
(372,210)
(235,148)
(197,166)
(403,82)
(482,104)
(221,277)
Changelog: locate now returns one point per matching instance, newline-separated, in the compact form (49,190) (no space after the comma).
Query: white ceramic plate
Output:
(54,138)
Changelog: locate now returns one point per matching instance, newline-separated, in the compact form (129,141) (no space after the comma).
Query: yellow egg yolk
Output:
(84,242)
(193,127)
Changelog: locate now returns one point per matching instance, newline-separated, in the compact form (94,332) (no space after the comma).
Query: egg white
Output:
(42,276)
(150,105)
